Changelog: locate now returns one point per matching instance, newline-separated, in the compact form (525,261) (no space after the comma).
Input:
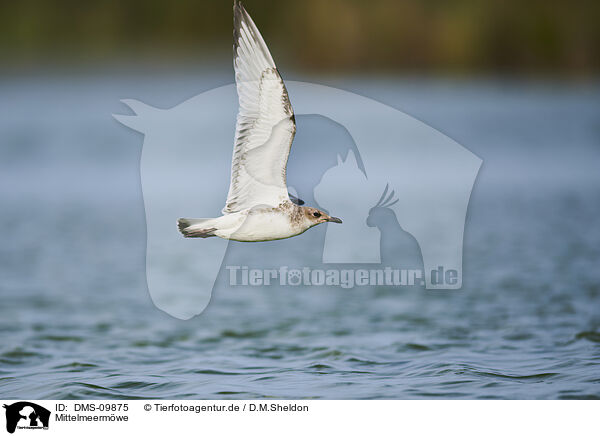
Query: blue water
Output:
(76,320)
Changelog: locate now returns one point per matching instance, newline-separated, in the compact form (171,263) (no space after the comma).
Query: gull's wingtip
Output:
(238,9)
(239,14)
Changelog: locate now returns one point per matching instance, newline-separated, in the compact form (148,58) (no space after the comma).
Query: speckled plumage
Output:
(258,206)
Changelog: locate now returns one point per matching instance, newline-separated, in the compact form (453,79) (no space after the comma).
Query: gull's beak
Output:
(333,219)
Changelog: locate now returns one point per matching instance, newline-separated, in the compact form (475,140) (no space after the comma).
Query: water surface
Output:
(76,320)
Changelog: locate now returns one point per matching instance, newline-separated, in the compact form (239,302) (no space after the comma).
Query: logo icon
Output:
(26,415)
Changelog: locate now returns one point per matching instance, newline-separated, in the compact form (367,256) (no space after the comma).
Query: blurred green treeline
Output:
(488,36)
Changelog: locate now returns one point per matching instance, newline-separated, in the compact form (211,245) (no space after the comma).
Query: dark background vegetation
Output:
(556,37)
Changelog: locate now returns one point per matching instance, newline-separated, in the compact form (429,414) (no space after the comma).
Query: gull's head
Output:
(315,216)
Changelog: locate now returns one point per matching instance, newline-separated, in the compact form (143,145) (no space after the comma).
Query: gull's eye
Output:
(316,214)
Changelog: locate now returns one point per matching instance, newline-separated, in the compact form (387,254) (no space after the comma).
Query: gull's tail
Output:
(197,228)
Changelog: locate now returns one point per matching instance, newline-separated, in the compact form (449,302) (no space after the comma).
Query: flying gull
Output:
(258,206)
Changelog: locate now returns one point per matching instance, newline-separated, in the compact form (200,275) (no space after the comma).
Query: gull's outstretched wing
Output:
(265,124)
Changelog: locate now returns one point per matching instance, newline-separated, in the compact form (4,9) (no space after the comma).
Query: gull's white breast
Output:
(262,225)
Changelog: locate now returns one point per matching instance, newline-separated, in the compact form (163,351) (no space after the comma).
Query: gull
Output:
(258,207)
